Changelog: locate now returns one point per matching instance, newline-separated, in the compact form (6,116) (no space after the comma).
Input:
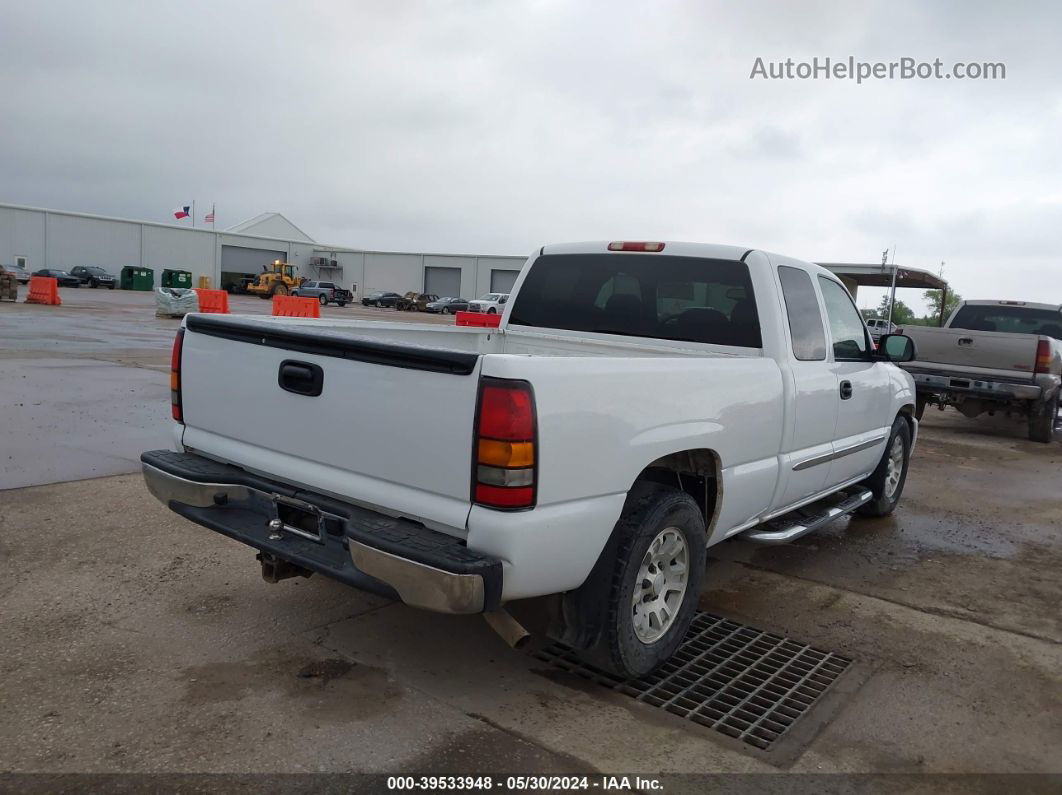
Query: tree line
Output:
(903,315)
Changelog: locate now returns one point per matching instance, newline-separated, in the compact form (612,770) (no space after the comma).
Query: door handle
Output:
(965,341)
(846,390)
(301,378)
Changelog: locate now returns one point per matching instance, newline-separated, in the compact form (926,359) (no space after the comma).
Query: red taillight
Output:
(498,497)
(505,412)
(505,457)
(1043,357)
(635,245)
(175,377)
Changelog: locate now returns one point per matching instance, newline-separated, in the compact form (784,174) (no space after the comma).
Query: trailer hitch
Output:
(275,569)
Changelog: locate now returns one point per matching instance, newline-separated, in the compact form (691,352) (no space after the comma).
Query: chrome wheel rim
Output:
(895,467)
(661,585)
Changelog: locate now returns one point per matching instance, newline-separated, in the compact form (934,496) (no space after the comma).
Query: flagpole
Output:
(193,213)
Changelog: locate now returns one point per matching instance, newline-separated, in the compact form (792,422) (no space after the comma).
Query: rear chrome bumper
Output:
(392,556)
(994,390)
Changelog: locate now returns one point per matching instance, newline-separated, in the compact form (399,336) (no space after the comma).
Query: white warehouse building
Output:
(36,238)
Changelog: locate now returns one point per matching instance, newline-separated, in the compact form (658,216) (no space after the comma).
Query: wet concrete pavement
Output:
(61,424)
(135,641)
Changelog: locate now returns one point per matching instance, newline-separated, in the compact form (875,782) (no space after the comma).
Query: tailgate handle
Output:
(302,378)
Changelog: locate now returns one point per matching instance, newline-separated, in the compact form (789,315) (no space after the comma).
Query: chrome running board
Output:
(791,526)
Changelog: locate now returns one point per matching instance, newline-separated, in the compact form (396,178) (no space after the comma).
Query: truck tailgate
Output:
(985,353)
(391,427)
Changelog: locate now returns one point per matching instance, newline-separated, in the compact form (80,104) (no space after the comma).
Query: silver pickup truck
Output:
(993,356)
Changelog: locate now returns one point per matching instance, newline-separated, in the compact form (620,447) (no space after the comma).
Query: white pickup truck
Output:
(638,403)
(993,356)
(491,303)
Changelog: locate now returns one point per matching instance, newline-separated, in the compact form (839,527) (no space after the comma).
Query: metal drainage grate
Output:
(735,679)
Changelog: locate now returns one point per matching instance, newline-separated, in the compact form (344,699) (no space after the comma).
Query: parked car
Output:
(448,306)
(94,277)
(324,292)
(62,277)
(22,276)
(382,299)
(491,303)
(879,326)
(993,356)
(416,302)
(744,397)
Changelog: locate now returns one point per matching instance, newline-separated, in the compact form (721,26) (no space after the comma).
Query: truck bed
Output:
(393,425)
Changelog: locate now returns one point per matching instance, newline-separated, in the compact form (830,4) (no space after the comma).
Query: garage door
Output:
(443,281)
(502,281)
(237,261)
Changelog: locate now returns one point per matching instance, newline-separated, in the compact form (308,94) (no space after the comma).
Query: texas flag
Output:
(182,212)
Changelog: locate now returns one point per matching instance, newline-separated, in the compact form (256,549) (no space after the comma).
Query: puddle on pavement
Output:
(336,689)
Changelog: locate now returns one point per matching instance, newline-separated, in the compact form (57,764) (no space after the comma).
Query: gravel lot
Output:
(137,642)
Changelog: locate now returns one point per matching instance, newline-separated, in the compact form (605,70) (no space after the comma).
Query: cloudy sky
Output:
(494,127)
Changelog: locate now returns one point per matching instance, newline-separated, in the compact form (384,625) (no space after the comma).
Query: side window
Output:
(846,327)
(805,319)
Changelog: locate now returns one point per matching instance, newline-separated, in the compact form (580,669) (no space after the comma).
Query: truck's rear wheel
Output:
(656,581)
(322,300)
(1043,416)
(887,480)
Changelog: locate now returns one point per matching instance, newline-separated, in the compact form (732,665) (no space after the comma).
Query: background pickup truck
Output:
(638,403)
(324,292)
(491,303)
(993,356)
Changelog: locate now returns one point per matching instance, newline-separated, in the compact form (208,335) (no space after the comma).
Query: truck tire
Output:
(887,480)
(1042,418)
(656,581)
(322,300)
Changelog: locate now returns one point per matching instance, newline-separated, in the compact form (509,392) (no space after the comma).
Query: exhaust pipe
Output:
(511,631)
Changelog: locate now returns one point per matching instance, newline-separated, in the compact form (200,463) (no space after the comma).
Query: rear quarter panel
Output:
(602,420)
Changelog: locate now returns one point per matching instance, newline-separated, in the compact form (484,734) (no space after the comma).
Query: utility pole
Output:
(892,290)
(943,295)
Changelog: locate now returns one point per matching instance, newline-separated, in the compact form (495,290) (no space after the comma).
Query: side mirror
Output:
(897,348)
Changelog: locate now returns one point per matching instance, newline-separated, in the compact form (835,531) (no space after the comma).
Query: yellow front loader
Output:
(280,279)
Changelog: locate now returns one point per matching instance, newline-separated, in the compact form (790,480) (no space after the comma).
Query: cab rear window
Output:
(1012,319)
(691,299)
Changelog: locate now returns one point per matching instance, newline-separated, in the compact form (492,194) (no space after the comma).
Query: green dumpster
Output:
(138,278)
(176,278)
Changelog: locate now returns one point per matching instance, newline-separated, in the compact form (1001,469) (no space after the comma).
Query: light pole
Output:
(892,290)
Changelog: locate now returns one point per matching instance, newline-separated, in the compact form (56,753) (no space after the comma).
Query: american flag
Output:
(209,219)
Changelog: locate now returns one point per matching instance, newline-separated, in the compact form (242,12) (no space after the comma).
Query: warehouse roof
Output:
(271,225)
